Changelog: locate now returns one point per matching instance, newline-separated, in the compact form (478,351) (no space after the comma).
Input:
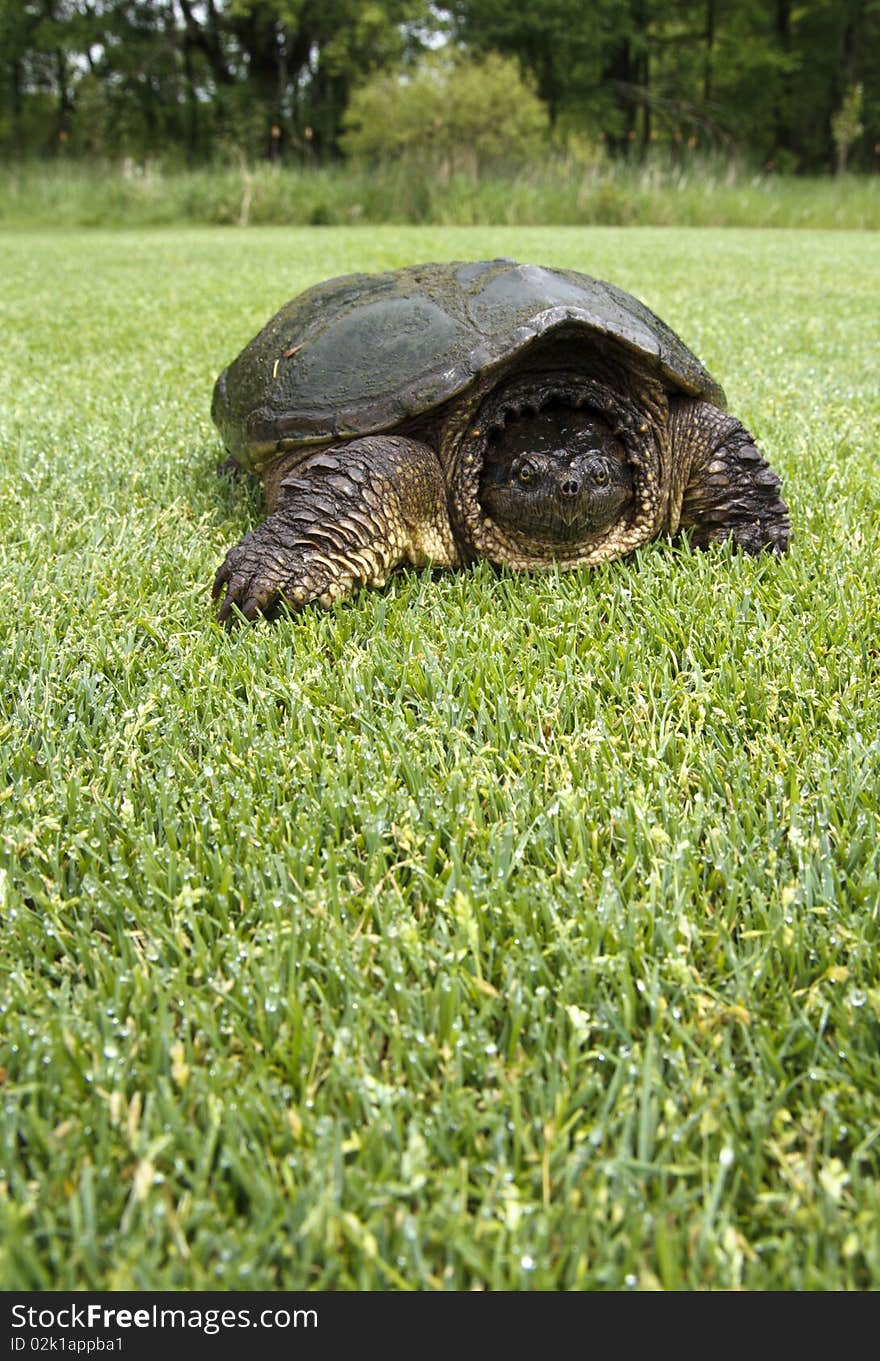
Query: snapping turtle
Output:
(442,413)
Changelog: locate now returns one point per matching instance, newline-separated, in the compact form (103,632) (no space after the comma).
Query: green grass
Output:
(563,192)
(501,931)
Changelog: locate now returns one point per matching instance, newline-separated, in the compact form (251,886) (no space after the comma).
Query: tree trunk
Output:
(65,104)
(207,39)
(192,103)
(783,135)
(620,75)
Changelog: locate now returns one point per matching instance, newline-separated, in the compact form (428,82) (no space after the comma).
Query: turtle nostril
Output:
(570,487)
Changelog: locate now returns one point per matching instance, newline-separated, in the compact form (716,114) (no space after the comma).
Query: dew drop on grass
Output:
(527,1263)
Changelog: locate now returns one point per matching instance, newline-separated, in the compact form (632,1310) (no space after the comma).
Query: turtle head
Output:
(558,476)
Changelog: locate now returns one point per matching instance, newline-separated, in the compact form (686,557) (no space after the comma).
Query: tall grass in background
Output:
(561,192)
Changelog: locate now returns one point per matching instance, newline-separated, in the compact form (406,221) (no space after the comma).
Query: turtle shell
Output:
(366,352)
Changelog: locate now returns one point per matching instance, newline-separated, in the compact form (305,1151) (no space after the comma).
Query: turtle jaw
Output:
(539,550)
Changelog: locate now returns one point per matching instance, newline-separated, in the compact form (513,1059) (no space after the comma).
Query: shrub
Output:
(463,115)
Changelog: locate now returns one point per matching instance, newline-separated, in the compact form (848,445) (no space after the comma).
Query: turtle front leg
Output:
(729,490)
(345,518)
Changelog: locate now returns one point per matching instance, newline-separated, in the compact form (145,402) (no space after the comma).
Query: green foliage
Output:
(722,84)
(747,76)
(187,80)
(567,47)
(273,79)
(461,115)
(490,931)
(846,124)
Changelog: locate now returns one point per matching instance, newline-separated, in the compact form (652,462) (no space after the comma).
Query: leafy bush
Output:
(462,115)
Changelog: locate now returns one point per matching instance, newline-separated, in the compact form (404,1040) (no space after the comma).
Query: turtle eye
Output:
(599,475)
(526,473)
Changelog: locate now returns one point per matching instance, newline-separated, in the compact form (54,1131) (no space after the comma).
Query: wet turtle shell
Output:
(365,353)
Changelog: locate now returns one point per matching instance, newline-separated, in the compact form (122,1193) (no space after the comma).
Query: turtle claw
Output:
(231,614)
(246,598)
(219,582)
(236,610)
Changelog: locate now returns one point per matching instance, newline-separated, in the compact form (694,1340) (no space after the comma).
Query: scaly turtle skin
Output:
(443,413)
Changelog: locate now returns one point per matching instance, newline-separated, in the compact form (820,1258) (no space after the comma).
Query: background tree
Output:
(570,49)
(257,78)
(454,113)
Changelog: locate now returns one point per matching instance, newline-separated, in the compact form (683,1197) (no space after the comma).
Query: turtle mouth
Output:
(560,527)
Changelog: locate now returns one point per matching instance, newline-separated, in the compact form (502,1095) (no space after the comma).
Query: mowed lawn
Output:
(489,931)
